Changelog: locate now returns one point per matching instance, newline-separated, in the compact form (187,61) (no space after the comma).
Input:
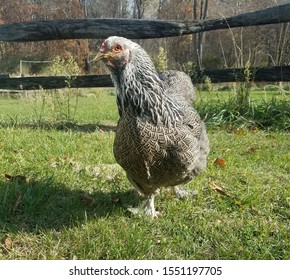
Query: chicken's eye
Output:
(117,48)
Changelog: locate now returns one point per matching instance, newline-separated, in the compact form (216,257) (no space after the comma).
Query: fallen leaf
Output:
(8,243)
(17,203)
(255,130)
(240,132)
(238,203)
(253,210)
(220,162)
(252,150)
(54,164)
(116,199)
(87,199)
(17,178)
(76,166)
(8,177)
(218,189)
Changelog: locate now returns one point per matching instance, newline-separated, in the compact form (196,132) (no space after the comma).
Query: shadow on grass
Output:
(44,205)
(62,126)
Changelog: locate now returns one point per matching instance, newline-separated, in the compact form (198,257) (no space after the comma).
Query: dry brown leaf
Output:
(17,178)
(252,150)
(8,243)
(8,177)
(87,199)
(220,162)
(255,130)
(218,189)
(241,132)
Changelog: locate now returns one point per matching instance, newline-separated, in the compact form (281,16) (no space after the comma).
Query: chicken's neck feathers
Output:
(140,89)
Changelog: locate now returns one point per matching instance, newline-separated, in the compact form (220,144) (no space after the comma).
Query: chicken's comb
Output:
(103,47)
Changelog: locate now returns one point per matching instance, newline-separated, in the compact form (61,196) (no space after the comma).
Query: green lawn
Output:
(63,197)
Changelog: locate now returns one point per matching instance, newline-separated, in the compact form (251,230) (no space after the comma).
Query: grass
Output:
(265,109)
(63,197)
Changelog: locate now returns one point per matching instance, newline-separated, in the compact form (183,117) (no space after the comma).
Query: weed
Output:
(62,103)
(243,100)
(161,60)
(242,108)
(207,84)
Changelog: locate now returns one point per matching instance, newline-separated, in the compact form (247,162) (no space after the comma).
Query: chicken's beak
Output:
(101,56)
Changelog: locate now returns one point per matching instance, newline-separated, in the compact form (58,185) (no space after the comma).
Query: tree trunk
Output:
(198,39)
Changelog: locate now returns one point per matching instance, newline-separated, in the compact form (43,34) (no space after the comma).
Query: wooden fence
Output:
(136,29)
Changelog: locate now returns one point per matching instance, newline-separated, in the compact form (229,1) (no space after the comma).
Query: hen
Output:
(160,140)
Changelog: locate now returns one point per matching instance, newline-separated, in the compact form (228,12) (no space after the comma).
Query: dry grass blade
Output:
(17,203)
(218,189)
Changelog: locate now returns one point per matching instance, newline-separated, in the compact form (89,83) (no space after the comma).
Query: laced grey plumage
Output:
(160,140)
(140,87)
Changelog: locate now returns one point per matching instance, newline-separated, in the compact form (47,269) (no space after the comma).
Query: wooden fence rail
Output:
(134,29)
(216,76)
